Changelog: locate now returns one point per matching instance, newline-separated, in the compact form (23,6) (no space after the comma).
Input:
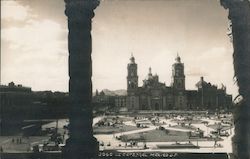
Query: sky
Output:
(34,42)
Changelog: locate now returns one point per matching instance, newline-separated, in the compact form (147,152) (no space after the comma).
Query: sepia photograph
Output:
(125,79)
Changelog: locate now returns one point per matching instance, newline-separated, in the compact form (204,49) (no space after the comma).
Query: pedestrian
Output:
(1,149)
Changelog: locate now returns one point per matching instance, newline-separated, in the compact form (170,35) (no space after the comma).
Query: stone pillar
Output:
(239,14)
(81,142)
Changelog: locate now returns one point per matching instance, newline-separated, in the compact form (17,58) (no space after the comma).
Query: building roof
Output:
(11,87)
(178,59)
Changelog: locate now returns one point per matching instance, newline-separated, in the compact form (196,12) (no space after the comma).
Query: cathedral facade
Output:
(154,95)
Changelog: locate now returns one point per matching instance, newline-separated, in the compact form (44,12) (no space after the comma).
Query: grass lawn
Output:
(158,136)
(122,118)
(111,129)
(195,121)
(215,126)
(184,127)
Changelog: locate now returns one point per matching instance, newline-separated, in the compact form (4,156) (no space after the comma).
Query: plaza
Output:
(152,137)
(170,132)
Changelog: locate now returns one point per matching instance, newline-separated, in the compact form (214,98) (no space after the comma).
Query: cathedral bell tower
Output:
(178,77)
(132,78)
(178,84)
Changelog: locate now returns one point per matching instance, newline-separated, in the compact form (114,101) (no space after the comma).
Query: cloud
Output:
(37,50)
(12,10)
(34,36)
(194,71)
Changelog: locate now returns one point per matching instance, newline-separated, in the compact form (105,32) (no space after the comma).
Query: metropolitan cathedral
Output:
(155,95)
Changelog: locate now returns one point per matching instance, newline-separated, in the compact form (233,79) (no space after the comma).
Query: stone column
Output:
(239,14)
(81,142)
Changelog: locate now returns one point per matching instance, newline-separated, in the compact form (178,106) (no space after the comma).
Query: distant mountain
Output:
(119,92)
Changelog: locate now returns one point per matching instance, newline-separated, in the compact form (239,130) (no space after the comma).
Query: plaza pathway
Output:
(205,146)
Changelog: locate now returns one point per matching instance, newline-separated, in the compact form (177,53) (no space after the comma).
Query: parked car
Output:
(224,133)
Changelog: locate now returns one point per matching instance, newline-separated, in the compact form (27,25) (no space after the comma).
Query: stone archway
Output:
(239,14)
(80,13)
(81,142)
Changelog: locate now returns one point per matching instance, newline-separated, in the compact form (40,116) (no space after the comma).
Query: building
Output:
(102,100)
(155,95)
(19,103)
(13,99)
